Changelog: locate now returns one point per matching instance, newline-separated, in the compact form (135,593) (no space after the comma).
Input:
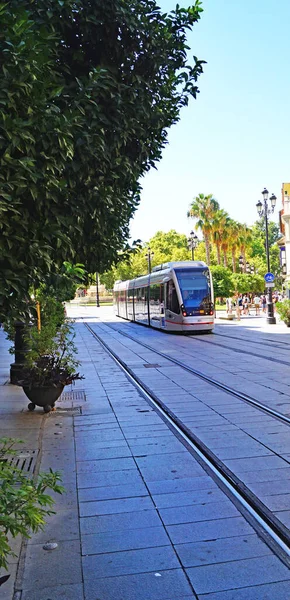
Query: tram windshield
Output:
(195,288)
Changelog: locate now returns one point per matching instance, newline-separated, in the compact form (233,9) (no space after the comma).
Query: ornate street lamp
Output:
(149,256)
(192,243)
(241,263)
(263,211)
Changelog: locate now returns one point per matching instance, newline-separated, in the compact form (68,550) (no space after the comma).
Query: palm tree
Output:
(245,237)
(203,208)
(234,235)
(220,221)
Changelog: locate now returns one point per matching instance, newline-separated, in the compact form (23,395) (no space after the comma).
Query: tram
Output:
(176,296)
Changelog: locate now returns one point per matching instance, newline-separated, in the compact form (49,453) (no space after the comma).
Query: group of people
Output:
(242,303)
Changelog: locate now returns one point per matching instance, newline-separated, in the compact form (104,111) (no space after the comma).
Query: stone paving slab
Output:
(120,522)
(40,564)
(117,541)
(221,550)
(112,492)
(208,530)
(127,563)
(167,585)
(55,592)
(272,591)
(236,574)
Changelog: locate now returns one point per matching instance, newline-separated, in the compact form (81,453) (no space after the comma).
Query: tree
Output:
(170,246)
(245,238)
(88,91)
(222,281)
(220,222)
(245,283)
(203,208)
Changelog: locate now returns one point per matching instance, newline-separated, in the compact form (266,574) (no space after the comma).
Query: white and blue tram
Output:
(176,296)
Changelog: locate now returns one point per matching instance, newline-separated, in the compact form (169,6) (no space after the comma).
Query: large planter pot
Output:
(45,396)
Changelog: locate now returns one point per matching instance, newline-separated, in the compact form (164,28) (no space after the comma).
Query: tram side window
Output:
(154,294)
(171,298)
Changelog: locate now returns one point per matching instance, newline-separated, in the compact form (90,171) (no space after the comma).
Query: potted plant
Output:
(283,310)
(50,364)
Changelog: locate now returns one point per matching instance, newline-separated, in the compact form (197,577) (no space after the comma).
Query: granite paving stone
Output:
(237,574)
(56,562)
(186,484)
(132,561)
(64,525)
(112,492)
(99,543)
(85,453)
(108,507)
(55,592)
(105,478)
(198,512)
(208,530)
(120,522)
(269,591)
(256,463)
(97,466)
(166,585)
(221,550)
(188,498)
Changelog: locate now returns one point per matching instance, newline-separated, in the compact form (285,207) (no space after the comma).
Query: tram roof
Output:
(179,264)
(158,272)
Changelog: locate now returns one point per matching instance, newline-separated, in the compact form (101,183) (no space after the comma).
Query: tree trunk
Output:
(218,253)
(206,241)
(234,260)
(225,260)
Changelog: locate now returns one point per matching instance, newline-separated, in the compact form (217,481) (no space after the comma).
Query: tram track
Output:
(274,532)
(249,353)
(225,388)
(279,346)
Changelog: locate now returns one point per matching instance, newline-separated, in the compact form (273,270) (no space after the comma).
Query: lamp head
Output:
(273,201)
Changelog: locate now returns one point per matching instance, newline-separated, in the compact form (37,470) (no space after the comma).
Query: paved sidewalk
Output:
(141,519)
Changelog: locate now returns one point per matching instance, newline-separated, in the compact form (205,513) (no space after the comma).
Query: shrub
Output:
(24,505)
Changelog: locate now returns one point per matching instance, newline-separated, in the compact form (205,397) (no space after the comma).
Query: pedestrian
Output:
(246,305)
(238,309)
(264,303)
(229,306)
(257,304)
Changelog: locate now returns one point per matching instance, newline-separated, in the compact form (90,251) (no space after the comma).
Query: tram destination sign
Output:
(269,278)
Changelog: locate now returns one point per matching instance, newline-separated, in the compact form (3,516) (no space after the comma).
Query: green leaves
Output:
(24,505)
(87,94)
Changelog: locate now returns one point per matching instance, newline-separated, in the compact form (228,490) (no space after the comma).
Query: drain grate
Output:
(151,366)
(78,396)
(25,461)
(72,410)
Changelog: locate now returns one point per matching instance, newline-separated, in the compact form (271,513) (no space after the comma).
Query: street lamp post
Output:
(192,243)
(97,291)
(241,263)
(149,256)
(264,211)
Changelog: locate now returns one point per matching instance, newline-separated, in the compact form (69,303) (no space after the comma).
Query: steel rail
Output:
(225,388)
(261,515)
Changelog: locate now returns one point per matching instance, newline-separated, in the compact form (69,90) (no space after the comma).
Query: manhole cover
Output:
(151,366)
(73,396)
(25,461)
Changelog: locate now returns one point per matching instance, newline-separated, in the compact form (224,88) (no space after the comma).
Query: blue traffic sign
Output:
(269,277)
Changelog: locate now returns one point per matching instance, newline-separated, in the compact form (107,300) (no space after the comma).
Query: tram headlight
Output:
(183,310)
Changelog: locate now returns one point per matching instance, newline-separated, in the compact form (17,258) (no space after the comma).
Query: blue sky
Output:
(234,139)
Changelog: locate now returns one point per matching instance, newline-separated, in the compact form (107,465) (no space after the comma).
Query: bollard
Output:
(20,351)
